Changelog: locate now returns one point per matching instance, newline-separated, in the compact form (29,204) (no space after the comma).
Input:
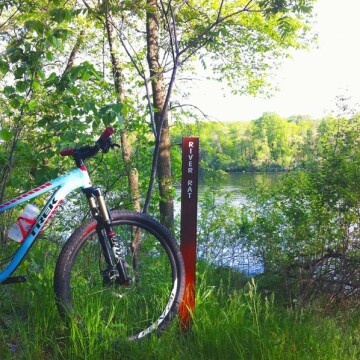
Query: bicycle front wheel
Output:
(156,270)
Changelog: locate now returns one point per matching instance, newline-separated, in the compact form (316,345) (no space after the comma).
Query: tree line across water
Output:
(269,143)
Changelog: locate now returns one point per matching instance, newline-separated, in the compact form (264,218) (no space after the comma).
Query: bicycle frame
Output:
(65,184)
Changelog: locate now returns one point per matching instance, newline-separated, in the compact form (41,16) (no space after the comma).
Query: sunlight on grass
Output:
(228,323)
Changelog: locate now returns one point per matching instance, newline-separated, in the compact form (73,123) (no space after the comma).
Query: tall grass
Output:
(230,322)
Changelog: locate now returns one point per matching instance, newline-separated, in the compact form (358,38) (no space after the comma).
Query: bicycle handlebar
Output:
(103,143)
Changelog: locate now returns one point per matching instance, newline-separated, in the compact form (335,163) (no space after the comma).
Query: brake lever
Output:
(113,145)
(105,146)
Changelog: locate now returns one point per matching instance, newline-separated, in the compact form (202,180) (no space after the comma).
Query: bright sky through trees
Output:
(310,82)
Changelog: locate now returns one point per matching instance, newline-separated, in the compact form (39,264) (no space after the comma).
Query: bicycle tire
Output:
(148,304)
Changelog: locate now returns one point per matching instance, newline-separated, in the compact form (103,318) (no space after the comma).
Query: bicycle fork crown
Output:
(98,206)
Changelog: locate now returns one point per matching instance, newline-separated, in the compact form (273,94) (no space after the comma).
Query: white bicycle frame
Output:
(65,184)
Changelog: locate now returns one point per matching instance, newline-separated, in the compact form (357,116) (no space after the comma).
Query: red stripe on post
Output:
(188,231)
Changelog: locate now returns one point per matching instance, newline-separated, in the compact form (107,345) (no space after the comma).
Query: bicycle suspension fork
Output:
(107,237)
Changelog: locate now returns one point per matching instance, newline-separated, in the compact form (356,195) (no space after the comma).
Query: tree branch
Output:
(193,106)
(73,53)
(9,19)
(219,20)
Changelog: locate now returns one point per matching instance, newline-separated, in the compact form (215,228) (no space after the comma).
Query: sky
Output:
(309,82)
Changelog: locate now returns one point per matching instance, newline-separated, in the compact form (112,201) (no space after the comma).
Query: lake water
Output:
(233,187)
(236,185)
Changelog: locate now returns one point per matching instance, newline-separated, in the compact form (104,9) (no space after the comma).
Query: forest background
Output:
(70,68)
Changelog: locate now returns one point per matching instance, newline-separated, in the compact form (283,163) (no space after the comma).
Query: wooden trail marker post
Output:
(188,226)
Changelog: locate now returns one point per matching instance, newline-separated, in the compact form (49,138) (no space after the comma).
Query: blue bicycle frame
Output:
(65,184)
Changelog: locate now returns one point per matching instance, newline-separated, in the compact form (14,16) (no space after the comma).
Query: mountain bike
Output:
(124,265)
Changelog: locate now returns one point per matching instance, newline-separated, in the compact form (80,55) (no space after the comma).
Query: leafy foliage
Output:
(308,230)
(57,79)
(268,143)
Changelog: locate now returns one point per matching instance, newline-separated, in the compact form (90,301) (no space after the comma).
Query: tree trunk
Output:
(74,52)
(132,173)
(166,204)
(9,166)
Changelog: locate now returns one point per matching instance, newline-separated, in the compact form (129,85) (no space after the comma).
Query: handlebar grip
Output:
(67,152)
(106,134)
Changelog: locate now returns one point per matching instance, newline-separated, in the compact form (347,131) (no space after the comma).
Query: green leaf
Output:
(19,72)
(117,107)
(15,103)
(6,135)
(4,67)
(22,86)
(67,110)
(110,113)
(15,54)
(41,74)
(8,90)
(88,106)
(86,76)
(69,100)
(46,120)
(51,80)
(60,33)
(55,42)
(49,55)
(35,25)
(57,15)
(36,85)
(32,104)
(89,119)
(120,120)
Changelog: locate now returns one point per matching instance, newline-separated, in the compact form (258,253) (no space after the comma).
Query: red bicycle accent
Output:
(33,191)
(67,152)
(107,133)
